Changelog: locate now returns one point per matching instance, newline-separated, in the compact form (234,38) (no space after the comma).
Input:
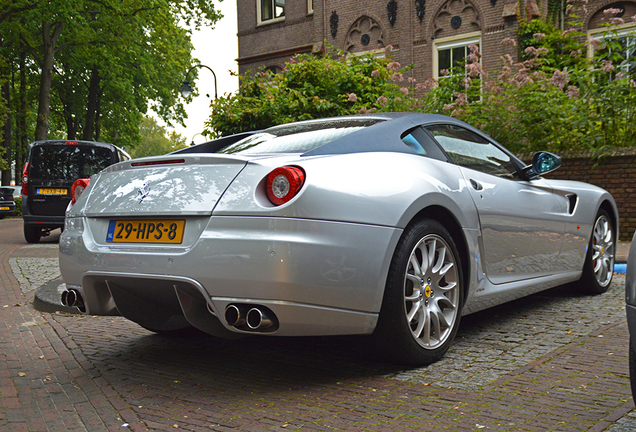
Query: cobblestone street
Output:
(553,361)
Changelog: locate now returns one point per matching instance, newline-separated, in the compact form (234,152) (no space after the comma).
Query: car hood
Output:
(162,186)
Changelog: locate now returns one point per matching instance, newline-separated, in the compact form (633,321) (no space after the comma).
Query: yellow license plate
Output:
(145,231)
(5,208)
(51,191)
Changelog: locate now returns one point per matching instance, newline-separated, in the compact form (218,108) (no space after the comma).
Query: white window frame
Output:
(310,7)
(259,14)
(616,31)
(453,42)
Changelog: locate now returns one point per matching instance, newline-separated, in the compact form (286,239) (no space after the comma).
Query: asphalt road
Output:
(553,361)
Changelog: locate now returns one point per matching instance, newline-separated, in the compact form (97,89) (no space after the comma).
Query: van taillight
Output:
(78,188)
(25,179)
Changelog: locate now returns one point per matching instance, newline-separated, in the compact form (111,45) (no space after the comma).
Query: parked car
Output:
(7,202)
(49,172)
(630,300)
(393,225)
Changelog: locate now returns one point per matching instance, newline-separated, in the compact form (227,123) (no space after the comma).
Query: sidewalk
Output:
(553,361)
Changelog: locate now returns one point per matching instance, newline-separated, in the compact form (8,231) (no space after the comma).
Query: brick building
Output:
(430,34)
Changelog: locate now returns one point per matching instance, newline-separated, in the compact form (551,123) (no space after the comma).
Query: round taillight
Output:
(78,187)
(284,183)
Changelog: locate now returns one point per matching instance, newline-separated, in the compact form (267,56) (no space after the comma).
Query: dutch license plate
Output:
(51,191)
(145,231)
(5,208)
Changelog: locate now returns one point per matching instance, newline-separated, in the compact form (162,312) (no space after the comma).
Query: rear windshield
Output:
(68,162)
(6,191)
(297,138)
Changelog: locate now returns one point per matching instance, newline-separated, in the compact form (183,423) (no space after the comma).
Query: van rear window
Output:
(68,162)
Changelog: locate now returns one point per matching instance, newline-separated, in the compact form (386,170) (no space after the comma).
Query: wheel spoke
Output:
(431,291)
(602,251)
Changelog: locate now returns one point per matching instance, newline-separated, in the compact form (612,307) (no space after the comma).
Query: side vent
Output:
(573,199)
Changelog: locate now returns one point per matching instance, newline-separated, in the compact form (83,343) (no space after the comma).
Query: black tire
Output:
(598,268)
(632,368)
(421,308)
(32,234)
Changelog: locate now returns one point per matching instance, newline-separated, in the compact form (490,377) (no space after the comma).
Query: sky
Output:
(218,49)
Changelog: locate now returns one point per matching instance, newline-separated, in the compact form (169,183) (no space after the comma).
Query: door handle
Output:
(476,185)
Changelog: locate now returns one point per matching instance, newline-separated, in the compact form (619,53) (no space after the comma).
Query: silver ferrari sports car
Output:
(390,225)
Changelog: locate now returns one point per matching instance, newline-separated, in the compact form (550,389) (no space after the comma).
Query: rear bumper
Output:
(44,221)
(317,277)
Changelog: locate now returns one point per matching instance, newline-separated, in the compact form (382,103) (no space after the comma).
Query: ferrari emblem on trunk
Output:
(143,192)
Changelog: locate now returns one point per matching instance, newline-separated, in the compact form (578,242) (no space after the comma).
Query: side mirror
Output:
(544,162)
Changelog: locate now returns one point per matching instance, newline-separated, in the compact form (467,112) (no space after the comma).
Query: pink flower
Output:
(607,66)
(398,99)
(393,66)
(507,58)
(404,90)
(474,69)
(617,21)
(388,48)
(573,92)
(444,72)
(363,110)
(426,85)
(382,100)
(559,79)
(375,73)
(595,42)
(411,80)
(397,77)
(542,51)
(352,97)
(531,51)
(509,41)
(612,11)
(538,36)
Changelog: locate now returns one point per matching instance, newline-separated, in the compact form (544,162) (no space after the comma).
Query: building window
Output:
(270,11)
(310,7)
(620,40)
(452,52)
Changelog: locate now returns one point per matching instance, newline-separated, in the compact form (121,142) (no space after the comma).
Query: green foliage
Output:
(310,87)
(18,206)
(112,61)
(561,49)
(154,141)
(554,99)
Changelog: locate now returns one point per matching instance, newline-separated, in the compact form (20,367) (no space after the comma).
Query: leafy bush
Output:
(312,87)
(554,99)
(18,206)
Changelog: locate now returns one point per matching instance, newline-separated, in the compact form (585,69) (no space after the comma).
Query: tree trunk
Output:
(6,95)
(92,107)
(50,33)
(23,138)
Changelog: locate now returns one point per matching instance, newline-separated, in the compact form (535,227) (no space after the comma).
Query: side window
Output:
(421,143)
(270,11)
(470,150)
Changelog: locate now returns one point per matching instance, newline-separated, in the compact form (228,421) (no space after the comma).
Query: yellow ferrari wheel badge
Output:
(428,291)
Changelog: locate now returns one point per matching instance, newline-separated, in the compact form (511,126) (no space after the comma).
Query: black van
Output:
(50,170)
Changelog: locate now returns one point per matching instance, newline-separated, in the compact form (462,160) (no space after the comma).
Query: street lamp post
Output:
(186,88)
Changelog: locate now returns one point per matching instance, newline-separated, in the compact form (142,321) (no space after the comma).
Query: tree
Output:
(100,64)
(154,141)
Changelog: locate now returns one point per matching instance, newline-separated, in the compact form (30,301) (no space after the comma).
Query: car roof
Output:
(384,136)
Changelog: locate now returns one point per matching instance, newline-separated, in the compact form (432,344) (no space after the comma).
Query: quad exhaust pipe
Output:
(73,298)
(248,317)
